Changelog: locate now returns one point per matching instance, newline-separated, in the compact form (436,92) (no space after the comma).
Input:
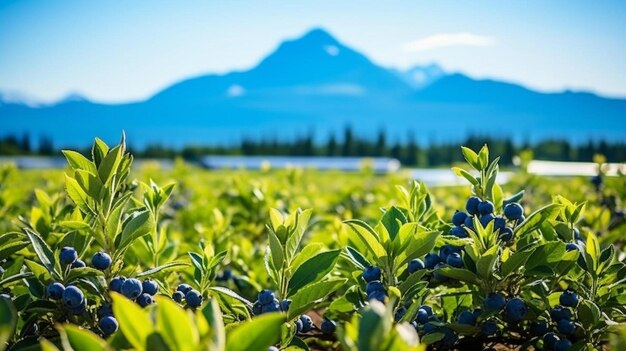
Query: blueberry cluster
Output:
(374,288)
(107,322)
(192,297)
(484,211)
(267,302)
(561,315)
(141,292)
(69,256)
(427,321)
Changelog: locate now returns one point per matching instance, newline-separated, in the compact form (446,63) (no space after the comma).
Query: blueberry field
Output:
(107,255)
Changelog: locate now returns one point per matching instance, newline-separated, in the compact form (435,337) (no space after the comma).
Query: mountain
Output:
(315,82)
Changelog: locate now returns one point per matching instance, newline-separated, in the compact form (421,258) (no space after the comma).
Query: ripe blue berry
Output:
(377,295)
(150,287)
(469,222)
(55,290)
(73,296)
(539,328)
(515,310)
(423,314)
(445,251)
(328,326)
(550,340)
(131,288)
(307,323)
(569,298)
(467,318)
(145,299)
(562,345)
(415,265)
(284,305)
(459,218)
(499,223)
(571,247)
(399,314)
(68,255)
(298,325)
(455,260)
(183,288)
(266,296)
(459,232)
(101,260)
(506,234)
(371,273)
(78,264)
(108,325)
(431,260)
(116,284)
(485,207)
(486,218)
(559,312)
(373,286)
(472,205)
(513,211)
(193,298)
(566,327)
(489,327)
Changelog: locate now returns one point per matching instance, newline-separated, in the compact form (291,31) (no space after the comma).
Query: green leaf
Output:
(367,237)
(483,156)
(307,252)
(43,251)
(420,244)
(514,198)
(82,339)
(459,274)
(312,270)
(213,316)
(465,174)
(306,298)
(392,220)
(139,225)
(276,250)
(471,157)
(592,248)
(257,334)
(535,220)
(588,313)
(78,161)
(134,322)
(109,164)
(175,325)
(162,267)
(487,262)
(515,261)
(76,194)
(8,320)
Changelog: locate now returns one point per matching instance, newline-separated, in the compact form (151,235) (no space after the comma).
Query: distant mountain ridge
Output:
(317,83)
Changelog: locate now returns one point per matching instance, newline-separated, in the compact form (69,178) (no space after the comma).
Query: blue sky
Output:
(126,50)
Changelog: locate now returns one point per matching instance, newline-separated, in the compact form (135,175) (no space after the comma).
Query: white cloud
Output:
(448,39)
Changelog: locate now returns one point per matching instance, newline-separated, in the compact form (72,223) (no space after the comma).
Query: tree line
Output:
(349,144)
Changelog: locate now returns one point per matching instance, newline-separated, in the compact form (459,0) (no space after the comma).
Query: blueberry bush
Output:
(104,256)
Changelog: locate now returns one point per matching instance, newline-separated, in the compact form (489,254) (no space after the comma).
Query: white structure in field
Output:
(377,164)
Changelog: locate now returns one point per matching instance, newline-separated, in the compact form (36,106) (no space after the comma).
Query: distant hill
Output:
(317,83)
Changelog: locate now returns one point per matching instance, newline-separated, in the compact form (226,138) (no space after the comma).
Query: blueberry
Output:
(513,211)
(371,273)
(569,298)
(571,247)
(328,326)
(73,296)
(539,328)
(377,295)
(566,327)
(68,255)
(273,306)
(78,264)
(499,223)
(178,296)
(506,234)
(284,305)
(415,265)
(459,218)
(472,205)
(430,328)
(116,284)
(193,298)
(183,288)
(150,286)
(459,232)
(257,308)
(145,299)
(467,318)
(55,290)
(431,260)
(307,323)
(101,260)
(438,277)
(489,327)
(550,340)
(422,316)
(108,325)
(485,207)
(228,274)
(455,260)
(562,345)
(298,325)
(559,312)
(399,314)
(486,218)
(373,286)
(445,251)
(469,222)
(515,310)
(266,297)
(131,288)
